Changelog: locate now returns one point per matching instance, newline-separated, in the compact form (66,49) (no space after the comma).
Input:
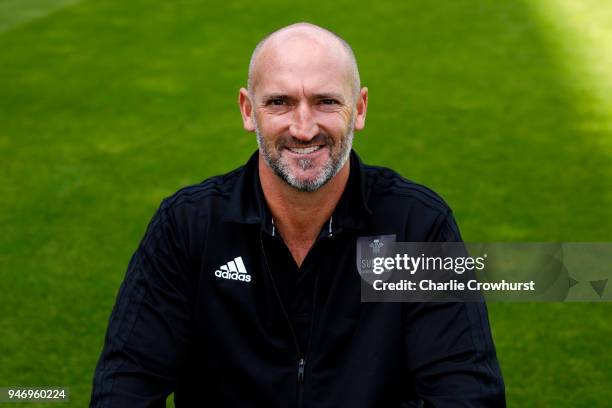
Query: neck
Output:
(300,215)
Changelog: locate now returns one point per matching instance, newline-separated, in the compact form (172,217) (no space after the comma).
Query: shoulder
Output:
(412,210)
(386,184)
(206,198)
(187,215)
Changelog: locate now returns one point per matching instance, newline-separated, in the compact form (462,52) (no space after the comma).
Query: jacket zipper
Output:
(301,365)
(301,357)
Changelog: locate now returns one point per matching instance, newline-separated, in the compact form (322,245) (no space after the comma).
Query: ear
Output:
(362,107)
(246,110)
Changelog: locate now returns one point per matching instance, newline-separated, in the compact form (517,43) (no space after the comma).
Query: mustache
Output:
(321,138)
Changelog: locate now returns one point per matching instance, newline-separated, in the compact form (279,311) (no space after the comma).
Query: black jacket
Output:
(214,308)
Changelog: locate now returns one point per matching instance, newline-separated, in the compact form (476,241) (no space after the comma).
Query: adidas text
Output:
(234,270)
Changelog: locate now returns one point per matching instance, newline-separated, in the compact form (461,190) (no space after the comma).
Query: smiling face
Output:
(303,108)
(306,164)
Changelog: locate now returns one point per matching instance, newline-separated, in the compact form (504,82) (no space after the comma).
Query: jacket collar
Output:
(248,206)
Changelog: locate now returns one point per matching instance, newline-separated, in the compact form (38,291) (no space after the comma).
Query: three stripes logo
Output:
(233,270)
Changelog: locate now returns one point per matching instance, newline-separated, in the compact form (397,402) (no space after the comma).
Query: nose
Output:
(304,125)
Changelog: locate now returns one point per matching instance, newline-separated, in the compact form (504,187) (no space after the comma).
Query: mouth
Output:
(305,150)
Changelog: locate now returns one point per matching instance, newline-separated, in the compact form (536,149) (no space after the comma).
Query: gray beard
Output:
(329,170)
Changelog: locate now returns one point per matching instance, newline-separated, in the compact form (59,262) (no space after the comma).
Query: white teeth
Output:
(304,150)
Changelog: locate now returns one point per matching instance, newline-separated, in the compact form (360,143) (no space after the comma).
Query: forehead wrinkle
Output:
(307,36)
(282,64)
(318,87)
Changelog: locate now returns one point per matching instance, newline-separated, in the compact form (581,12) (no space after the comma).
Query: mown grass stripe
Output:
(16,12)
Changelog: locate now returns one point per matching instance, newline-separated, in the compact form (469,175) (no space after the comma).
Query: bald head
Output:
(299,41)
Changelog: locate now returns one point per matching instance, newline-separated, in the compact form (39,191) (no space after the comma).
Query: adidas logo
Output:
(234,270)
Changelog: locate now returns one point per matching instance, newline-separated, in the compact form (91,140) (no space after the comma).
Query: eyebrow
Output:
(329,96)
(326,95)
(275,96)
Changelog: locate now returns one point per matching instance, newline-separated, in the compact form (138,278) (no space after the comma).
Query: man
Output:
(244,290)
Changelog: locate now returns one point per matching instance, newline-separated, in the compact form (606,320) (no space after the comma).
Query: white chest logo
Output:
(233,270)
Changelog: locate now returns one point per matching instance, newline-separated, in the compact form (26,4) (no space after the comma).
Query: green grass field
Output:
(503,107)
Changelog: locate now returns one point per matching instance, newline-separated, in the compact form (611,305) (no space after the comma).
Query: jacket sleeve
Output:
(449,348)
(149,327)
